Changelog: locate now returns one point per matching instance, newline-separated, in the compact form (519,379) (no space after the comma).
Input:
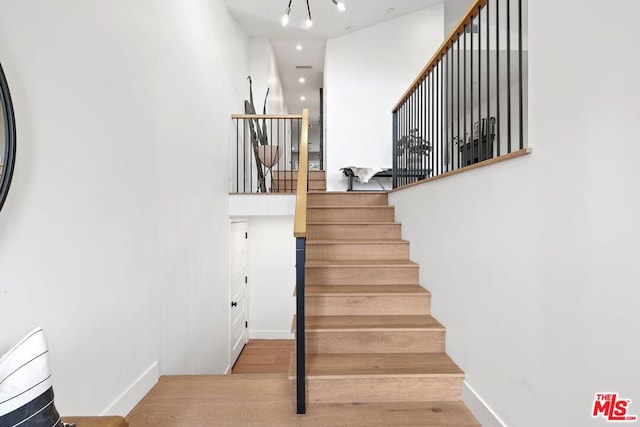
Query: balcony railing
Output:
(467,106)
(265,153)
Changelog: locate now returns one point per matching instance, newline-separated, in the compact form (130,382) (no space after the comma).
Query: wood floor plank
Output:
(267,400)
(264,357)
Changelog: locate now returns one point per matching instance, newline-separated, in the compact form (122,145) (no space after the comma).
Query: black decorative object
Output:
(8,149)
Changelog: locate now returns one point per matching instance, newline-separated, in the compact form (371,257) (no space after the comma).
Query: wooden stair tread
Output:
(360,263)
(356,193)
(349,206)
(352,223)
(370,323)
(378,365)
(355,241)
(358,290)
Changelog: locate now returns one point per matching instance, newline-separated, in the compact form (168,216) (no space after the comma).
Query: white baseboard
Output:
(479,407)
(129,398)
(271,335)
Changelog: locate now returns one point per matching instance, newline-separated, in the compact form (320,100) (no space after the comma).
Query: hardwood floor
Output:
(253,397)
(245,400)
(264,357)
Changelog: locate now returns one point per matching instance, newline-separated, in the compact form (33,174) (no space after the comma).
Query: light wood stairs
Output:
(370,338)
(285,181)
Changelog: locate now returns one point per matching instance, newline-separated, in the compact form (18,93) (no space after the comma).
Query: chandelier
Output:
(308,23)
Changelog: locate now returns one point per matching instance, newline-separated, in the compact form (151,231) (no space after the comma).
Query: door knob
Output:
(234,304)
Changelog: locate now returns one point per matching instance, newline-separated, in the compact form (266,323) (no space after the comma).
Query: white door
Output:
(238,334)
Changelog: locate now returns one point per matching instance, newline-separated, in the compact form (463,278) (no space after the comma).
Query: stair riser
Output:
(286,186)
(367,305)
(373,214)
(361,275)
(287,174)
(376,342)
(407,389)
(348,199)
(353,231)
(359,251)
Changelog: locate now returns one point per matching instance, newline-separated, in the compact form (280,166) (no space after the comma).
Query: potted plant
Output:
(265,154)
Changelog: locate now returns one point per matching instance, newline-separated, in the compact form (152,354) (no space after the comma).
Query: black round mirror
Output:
(7,138)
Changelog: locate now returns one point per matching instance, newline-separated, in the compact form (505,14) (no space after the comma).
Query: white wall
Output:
(264,73)
(110,236)
(533,263)
(366,73)
(453,12)
(272,276)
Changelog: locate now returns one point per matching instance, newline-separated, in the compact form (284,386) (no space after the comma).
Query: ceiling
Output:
(261,18)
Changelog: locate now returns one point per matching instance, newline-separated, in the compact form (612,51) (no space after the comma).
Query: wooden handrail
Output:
(300,218)
(472,12)
(266,116)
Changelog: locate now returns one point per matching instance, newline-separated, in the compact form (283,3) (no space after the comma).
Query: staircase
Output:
(370,337)
(285,181)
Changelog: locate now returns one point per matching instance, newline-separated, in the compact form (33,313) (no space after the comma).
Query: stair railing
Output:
(265,153)
(300,234)
(467,104)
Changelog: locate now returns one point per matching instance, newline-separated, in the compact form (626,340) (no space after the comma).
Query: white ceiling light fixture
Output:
(298,47)
(309,22)
(303,98)
(285,18)
(301,80)
(340,5)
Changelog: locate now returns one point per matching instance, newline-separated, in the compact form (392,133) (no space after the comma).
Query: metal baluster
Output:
(394,151)
(457,150)
(450,139)
(480,150)
(248,159)
(419,124)
(412,124)
(489,149)
(300,326)
(521,122)
(271,154)
(508,76)
(237,156)
(471,153)
(441,112)
(425,125)
(464,101)
(431,121)
(498,78)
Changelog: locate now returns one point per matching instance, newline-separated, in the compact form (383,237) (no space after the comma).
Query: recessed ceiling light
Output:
(298,47)
(303,98)
(301,79)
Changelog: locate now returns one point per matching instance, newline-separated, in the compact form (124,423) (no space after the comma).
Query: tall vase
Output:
(269,155)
